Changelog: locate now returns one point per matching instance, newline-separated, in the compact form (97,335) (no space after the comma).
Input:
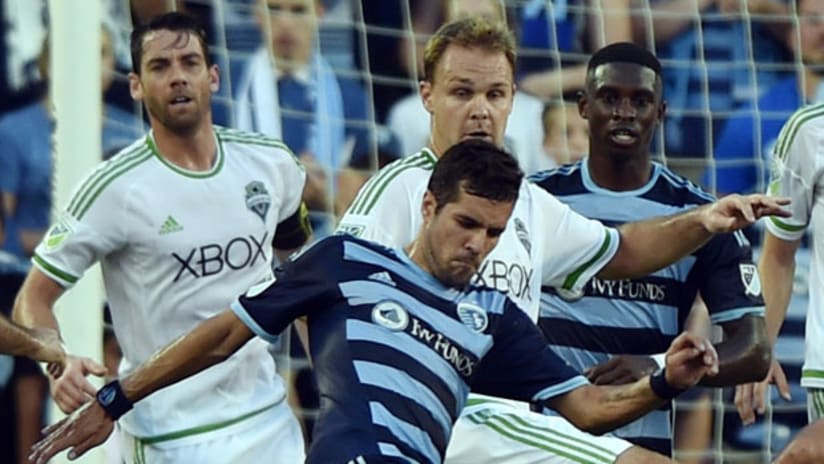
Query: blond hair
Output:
(468,32)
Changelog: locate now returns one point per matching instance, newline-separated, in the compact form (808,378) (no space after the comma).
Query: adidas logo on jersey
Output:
(169,226)
(382,277)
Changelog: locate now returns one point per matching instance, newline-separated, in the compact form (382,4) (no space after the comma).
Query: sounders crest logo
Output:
(258,199)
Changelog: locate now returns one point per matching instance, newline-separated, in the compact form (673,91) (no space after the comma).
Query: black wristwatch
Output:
(113,400)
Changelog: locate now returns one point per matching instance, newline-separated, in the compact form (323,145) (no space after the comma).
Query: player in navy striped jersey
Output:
(399,336)
(614,325)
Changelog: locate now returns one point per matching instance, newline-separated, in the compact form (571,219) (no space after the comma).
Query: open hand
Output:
(88,427)
(70,389)
(751,398)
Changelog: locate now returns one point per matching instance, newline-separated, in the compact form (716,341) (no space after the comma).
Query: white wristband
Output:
(660,359)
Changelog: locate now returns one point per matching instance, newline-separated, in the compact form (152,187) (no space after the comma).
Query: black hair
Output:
(173,21)
(624,52)
(479,168)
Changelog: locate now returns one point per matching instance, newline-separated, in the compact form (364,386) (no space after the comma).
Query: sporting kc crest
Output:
(257,199)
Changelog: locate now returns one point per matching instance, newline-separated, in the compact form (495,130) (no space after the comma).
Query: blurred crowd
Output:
(337,81)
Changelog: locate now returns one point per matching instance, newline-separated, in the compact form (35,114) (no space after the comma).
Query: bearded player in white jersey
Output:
(468,90)
(181,221)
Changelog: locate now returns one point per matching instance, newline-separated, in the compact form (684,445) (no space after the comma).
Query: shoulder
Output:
(676,190)
(563,180)
(253,143)
(112,178)
(805,122)
(407,174)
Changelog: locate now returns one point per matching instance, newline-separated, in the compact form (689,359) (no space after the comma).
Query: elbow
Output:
(592,424)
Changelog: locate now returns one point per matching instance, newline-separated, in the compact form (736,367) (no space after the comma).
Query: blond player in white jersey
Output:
(181,221)
(797,171)
(467,89)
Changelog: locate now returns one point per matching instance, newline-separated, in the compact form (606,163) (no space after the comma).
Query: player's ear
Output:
(583,104)
(135,87)
(428,207)
(214,78)
(425,88)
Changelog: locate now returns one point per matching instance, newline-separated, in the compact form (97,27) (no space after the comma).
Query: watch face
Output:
(106,395)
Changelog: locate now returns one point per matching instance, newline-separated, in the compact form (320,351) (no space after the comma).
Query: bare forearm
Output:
(650,245)
(211,342)
(778,288)
(607,407)
(744,356)
(16,340)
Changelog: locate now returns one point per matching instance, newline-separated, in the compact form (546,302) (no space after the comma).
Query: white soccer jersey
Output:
(176,247)
(798,173)
(545,242)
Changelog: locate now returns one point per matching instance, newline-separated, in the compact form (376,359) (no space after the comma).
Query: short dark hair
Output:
(624,52)
(173,21)
(479,168)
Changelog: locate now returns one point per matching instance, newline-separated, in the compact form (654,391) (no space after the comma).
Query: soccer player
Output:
(467,88)
(181,221)
(398,336)
(610,328)
(796,171)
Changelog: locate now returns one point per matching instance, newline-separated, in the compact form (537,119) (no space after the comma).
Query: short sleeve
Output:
(520,365)
(86,230)
(297,289)
(292,176)
(795,173)
(729,282)
(575,247)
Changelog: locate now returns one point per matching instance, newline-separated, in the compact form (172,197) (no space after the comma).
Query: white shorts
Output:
(493,433)
(272,435)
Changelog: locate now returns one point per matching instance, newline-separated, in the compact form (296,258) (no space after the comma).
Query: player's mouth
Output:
(623,136)
(478,134)
(180,100)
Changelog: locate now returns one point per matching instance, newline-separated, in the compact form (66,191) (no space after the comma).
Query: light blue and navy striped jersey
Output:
(644,315)
(396,352)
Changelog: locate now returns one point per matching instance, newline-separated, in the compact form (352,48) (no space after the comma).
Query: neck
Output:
(193,151)
(811,81)
(619,173)
(415,251)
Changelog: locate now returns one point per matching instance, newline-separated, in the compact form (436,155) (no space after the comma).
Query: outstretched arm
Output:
(600,408)
(647,246)
(38,344)
(211,342)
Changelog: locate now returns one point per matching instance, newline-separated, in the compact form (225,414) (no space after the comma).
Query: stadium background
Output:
(369,41)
